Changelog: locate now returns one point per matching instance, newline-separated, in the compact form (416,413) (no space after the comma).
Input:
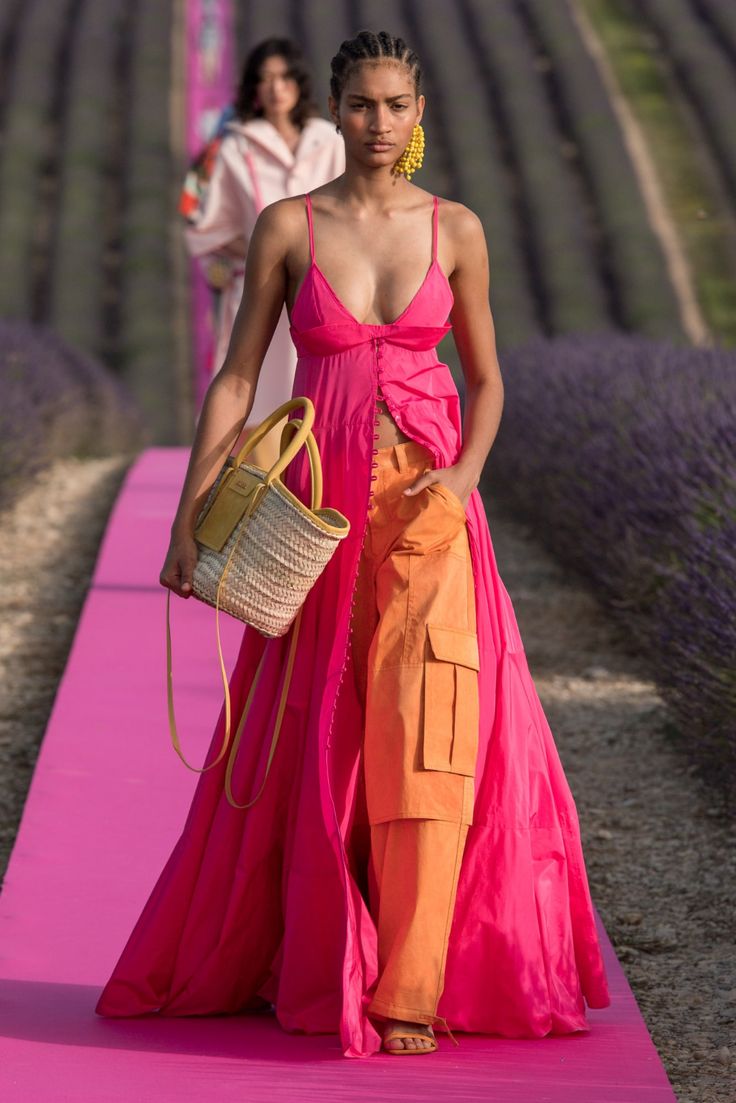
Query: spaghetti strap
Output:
(308,198)
(435,217)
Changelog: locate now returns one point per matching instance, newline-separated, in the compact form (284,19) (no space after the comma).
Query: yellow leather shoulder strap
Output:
(295,433)
(246,708)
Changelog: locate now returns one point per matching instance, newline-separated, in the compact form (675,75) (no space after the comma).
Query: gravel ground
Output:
(659,849)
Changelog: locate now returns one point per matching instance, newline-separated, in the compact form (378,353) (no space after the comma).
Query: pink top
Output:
(268,902)
(400,355)
(314,269)
(319,326)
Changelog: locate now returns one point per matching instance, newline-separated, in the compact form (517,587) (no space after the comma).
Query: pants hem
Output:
(396,1011)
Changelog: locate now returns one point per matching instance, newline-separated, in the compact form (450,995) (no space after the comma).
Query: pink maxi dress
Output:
(267,902)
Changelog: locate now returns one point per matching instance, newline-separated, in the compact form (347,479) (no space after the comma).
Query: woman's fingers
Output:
(418,485)
(427,477)
(172,580)
(448,476)
(178,570)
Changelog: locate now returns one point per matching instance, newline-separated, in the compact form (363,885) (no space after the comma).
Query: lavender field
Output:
(621,452)
(56,402)
(595,140)
(87,178)
(616,433)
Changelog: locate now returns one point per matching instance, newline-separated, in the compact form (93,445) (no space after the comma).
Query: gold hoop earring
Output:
(412,157)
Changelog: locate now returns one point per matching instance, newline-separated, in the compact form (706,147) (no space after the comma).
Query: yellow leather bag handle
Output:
(298,439)
(294,433)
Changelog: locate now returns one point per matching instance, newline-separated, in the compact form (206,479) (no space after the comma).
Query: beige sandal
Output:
(402,1032)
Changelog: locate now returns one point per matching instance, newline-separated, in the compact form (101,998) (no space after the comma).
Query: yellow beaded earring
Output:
(411,159)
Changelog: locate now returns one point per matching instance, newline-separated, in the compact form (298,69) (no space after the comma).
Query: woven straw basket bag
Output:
(260,551)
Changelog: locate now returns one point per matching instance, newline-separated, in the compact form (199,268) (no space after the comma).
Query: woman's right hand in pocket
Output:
(178,569)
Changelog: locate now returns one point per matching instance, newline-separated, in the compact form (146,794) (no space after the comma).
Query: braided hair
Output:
(369,46)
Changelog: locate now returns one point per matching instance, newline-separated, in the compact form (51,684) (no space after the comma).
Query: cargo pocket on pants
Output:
(451,709)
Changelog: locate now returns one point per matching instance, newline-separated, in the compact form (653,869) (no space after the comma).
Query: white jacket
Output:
(255,167)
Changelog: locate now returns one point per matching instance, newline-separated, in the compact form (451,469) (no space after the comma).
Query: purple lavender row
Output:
(56,402)
(705,69)
(30,88)
(643,298)
(91,131)
(148,347)
(562,251)
(469,164)
(720,17)
(621,453)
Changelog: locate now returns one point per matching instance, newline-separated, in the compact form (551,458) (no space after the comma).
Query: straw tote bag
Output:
(260,550)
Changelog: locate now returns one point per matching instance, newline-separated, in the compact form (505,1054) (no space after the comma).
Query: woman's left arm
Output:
(225,210)
(475,340)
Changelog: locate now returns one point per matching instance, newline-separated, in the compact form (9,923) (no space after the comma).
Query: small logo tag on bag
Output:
(244,483)
(226,511)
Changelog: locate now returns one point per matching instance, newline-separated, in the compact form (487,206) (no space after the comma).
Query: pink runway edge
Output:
(106,805)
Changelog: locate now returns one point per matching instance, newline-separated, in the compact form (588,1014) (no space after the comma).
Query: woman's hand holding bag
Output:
(259,550)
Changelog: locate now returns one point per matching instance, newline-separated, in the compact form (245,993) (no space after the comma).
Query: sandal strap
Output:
(401,1032)
(439,1019)
(407,1034)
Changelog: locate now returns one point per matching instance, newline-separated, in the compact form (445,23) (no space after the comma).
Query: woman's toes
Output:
(423,1041)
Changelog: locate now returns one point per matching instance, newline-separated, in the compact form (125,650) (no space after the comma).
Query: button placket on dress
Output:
(374,464)
(377,342)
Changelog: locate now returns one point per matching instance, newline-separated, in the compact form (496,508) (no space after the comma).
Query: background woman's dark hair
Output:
(370,46)
(297,66)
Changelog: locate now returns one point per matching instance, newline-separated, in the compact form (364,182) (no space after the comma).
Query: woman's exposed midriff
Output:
(387,431)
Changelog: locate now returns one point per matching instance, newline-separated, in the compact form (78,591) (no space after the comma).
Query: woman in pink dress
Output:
(415,854)
(278,145)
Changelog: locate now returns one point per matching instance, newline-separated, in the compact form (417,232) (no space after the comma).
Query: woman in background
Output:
(277,146)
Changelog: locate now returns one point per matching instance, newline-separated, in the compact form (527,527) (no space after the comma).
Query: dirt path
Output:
(661,859)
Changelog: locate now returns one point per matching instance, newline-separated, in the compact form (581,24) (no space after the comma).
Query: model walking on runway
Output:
(415,855)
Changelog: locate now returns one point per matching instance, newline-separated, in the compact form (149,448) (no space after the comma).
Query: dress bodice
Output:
(321,324)
(343,363)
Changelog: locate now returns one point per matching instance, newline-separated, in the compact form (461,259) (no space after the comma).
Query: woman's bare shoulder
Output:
(459,222)
(284,219)
(327,190)
(463,232)
(284,211)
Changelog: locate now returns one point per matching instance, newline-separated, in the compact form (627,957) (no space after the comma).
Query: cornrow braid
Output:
(367,46)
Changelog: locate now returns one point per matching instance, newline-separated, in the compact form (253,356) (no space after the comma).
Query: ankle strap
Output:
(439,1019)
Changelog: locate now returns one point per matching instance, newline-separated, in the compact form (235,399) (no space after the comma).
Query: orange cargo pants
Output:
(415,661)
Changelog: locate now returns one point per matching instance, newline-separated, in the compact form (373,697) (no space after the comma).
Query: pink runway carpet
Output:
(106,805)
